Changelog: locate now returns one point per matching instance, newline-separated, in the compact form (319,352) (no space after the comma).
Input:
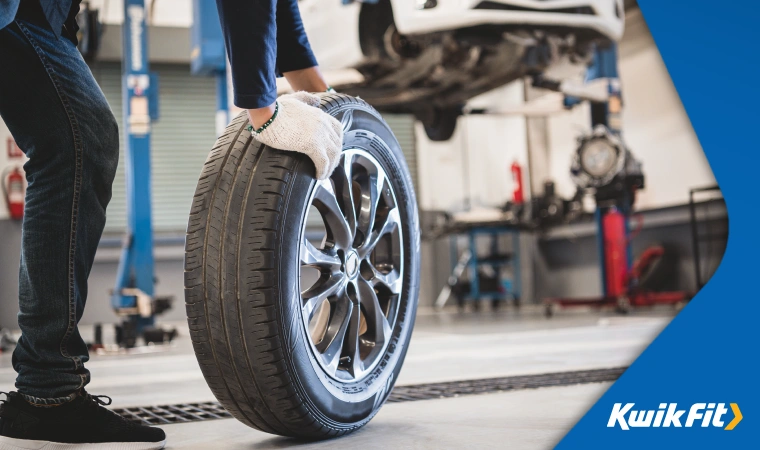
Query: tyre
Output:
(296,336)
(440,123)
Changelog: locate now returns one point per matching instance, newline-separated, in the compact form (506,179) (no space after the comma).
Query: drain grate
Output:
(492,385)
(196,412)
(169,414)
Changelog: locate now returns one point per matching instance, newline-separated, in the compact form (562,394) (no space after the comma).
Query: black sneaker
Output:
(75,425)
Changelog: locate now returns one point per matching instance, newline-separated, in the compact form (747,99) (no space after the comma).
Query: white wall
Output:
(475,162)
(655,126)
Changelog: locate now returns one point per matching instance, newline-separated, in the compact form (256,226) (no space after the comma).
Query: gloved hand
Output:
(300,126)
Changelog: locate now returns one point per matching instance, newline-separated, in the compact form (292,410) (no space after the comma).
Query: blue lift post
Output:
(208,57)
(134,292)
(609,114)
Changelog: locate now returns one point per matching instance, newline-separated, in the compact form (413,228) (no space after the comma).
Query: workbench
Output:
(477,276)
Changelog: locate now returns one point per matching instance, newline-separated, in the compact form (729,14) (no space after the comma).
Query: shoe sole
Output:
(7,443)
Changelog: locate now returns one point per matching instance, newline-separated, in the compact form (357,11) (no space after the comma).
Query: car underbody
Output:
(433,75)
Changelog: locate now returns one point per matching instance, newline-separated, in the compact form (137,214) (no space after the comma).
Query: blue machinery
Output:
(134,293)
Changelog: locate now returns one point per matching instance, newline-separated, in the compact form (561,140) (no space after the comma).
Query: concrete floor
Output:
(530,419)
(446,346)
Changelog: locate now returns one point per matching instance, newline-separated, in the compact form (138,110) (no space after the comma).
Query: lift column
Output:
(208,57)
(133,294)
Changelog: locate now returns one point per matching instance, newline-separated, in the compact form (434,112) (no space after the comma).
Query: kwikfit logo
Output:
(668,415)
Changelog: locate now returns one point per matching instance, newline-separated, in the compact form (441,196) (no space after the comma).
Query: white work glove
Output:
(300,126)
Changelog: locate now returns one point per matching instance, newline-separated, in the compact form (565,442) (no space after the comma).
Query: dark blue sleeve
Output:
(293,49)
(262,37)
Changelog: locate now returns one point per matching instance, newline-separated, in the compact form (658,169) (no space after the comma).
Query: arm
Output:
(294,56)
(262,36)
(250,35)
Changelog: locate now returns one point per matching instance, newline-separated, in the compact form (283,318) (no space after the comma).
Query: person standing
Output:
(59,117)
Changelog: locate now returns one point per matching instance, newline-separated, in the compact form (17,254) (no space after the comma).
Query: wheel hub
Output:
(352,265)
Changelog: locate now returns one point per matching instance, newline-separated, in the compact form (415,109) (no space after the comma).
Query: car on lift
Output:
(429,57)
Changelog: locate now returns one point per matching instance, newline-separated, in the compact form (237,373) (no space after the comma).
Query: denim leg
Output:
(59,116)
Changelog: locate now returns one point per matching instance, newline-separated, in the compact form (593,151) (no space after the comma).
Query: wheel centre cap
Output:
(352,265)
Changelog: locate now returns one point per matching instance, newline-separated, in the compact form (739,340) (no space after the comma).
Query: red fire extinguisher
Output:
(14,191)
(517,196)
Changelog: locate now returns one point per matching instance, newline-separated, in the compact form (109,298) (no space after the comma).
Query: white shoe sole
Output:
(7,443)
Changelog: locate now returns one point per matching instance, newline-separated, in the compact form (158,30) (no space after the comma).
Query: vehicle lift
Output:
(208,56)
(614,209)
(133,297)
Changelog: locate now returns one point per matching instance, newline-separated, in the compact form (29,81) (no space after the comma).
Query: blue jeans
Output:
(60,118)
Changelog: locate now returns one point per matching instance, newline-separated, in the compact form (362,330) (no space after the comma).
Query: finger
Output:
(334,163)
(334,123)
(306,97)
(336,149)
(338,142)
(336,129)
(321,162)
(335,152)
(332,147)
(332,158)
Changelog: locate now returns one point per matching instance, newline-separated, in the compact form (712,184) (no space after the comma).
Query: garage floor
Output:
(446,346)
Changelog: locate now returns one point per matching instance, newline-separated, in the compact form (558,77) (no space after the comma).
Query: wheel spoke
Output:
(375,316)
(344,177)
(314,257)
(336,225)
(313,296)
(352,350)
(336,333)
(391,223)
(391,280)
(371,193)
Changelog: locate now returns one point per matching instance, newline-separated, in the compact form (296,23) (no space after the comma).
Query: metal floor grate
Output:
(196,412)
(169,414)
(493,385)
